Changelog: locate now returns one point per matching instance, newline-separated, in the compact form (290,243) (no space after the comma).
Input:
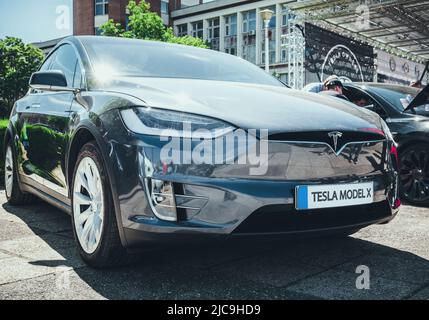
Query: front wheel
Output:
(414,174)
(94,222)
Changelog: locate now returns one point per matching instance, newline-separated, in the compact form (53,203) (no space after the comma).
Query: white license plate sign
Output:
(333,195)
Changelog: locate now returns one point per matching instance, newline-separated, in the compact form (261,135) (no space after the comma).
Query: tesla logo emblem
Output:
(335,135)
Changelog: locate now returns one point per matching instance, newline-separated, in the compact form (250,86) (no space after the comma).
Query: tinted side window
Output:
(45,66)
(362,99)
(77,80)
(65,60)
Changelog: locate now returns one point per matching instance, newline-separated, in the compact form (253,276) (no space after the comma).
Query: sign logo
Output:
(335,135)
(341,61)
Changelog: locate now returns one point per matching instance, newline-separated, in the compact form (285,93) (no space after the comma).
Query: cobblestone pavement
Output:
(38,260)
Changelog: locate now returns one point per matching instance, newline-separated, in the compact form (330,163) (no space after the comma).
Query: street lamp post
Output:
(266,16)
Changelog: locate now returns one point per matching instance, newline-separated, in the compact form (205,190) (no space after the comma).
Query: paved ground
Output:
(38,261)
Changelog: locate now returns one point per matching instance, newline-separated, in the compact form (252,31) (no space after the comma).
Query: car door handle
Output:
(35,105)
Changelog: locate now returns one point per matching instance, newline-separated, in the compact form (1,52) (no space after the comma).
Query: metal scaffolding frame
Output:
(294,42)
(398,27)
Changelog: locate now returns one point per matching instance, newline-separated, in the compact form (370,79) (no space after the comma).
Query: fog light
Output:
(161,195)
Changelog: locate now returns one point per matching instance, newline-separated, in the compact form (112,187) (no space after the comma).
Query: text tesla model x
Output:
(142,140)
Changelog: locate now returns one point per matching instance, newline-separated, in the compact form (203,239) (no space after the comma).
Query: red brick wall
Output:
(155,5)
(83,17)
(84,10)
(175,4)
(117,10)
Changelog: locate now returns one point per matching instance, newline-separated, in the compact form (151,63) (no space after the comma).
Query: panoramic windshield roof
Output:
(128,57)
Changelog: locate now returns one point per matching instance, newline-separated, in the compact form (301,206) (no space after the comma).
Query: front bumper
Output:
(239,204)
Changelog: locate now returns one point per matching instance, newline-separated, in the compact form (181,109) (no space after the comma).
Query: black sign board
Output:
(328,53)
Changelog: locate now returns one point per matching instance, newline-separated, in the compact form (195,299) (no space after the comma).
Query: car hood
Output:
(248,106)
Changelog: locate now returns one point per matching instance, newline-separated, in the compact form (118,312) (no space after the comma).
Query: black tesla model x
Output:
(142,140)
(406,112)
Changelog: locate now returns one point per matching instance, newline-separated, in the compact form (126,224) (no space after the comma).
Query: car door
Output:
(48,134)
(26,111)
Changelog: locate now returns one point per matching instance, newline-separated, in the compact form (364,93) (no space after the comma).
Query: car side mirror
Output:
(51,80)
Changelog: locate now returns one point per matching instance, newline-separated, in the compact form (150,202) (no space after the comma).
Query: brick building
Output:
(88,15)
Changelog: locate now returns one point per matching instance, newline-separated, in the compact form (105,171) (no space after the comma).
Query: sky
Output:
(36,20)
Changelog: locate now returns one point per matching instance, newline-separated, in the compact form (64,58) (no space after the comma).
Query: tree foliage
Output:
(17,62)
(147,25)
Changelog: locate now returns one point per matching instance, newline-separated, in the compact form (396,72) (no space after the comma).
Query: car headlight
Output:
(159,122)
(386,130)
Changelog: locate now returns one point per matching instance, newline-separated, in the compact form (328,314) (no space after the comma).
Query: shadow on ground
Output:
(323,268)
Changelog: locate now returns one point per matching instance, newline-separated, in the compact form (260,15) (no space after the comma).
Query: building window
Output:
(249,36)
(231,25)
(101,7)
(182,30)
(164,7)
(230,39)
(197,29)
(286,17)
(249,21)
(165,12)
(213,32)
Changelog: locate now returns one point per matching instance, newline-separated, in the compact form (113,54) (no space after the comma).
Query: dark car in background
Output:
(406,112)
(89,138)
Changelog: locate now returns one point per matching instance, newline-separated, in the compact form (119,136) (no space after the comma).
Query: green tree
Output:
(17,62)
(147,25)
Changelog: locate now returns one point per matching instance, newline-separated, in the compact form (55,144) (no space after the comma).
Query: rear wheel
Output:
(14,194)
(414,174)
(94,221)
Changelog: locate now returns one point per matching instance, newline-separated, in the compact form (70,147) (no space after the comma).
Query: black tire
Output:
(110,252)
(414,174)
(16,196)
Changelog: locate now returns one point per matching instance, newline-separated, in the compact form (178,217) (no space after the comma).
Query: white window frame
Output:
(102,3)
(212,27)
(229,24)
(182,30)
(195,29)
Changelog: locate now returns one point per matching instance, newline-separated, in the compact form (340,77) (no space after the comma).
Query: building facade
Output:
(89,15)
(236,27)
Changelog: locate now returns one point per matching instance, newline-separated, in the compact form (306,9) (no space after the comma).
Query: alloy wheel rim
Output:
(8,171)
(88,205)
(414,175)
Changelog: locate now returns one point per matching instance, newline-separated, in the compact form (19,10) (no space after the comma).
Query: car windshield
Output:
(399,96)
(137,58)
